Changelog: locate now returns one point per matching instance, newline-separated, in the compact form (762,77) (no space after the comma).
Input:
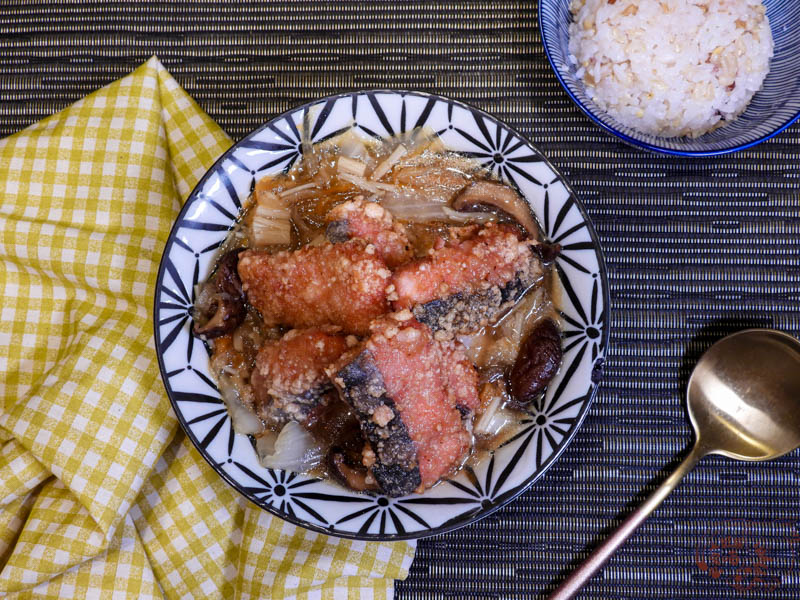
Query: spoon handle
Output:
(578,578)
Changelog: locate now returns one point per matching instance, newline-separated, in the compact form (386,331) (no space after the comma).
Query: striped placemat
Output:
(695,249)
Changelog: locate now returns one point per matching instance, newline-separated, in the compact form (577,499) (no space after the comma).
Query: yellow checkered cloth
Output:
(101,493)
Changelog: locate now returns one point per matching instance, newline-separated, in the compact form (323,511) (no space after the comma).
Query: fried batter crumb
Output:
(491,256)
(427,398)
(373,223)
(289,377)
(331,284)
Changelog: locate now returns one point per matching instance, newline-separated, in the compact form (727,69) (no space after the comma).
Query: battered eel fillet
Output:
(469,281)
(333,284)
(413,396)
(371,222)
(289,380)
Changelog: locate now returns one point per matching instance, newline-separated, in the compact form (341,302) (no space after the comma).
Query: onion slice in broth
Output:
(293,449)
(243,419)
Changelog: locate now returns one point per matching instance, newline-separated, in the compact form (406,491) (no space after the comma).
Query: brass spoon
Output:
(744,402)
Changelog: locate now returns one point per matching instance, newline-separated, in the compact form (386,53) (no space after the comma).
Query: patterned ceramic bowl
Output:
(774,108)
(322,505)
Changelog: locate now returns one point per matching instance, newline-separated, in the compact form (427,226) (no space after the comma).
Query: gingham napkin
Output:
(101,494)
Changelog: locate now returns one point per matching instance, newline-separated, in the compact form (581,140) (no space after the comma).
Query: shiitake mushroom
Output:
(547,252)
(490,196)
(348,472)
(502,200)
(220,306)
(537,363)
(335,426)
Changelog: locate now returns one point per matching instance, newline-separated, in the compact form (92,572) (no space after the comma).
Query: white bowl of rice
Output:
(675,76)
(671,68)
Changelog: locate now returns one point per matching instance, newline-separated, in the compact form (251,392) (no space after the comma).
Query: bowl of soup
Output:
(382,315)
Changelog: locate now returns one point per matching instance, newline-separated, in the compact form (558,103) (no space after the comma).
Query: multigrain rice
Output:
(671,67)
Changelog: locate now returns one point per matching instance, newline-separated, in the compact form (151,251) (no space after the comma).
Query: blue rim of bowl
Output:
(646,145)
(461,520)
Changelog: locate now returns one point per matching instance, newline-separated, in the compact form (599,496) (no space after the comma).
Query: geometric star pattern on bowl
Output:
(545,429)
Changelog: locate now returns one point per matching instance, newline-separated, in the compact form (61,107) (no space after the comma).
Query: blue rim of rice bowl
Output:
(642,144)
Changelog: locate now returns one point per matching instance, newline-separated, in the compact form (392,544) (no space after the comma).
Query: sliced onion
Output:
(244,421)
(270,223)
(288,194)
(353,147)
(417,212)
(265,443)
(390,161)
(267,231)
(375,187)
(409,206)
(482,426)
(494,416)
(409,195)
(469,217)
(474,346)
(351,166)
(293,449)
(523,315)
(491,425)
(421,139)
(300,222)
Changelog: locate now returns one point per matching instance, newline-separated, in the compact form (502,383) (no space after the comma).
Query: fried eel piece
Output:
(392,461)
(289,380)
(371,222)
(469,281)
(333,284)
(413,396)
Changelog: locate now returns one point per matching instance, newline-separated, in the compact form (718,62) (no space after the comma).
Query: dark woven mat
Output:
(695,249)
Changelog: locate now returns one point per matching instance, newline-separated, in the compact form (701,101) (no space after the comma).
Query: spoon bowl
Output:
(744,395)
(744,402)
